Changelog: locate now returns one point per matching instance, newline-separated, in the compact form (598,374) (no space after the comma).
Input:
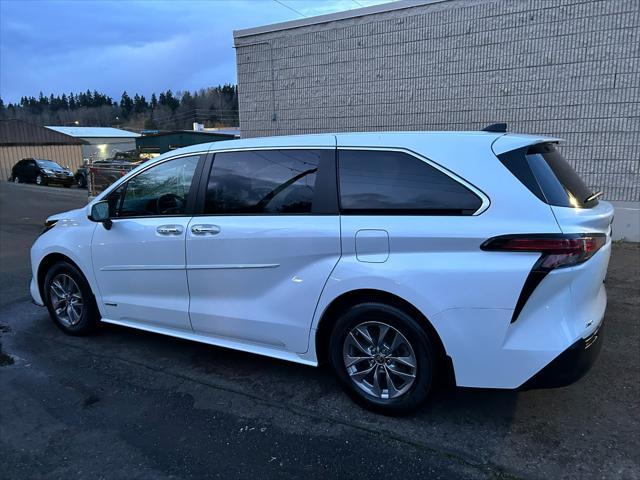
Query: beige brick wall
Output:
(570,68)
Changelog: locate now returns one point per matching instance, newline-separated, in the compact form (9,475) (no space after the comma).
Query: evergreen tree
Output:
(140,103)
(126,105)
(215,106)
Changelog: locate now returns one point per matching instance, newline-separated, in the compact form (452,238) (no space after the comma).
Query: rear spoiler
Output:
(513,141)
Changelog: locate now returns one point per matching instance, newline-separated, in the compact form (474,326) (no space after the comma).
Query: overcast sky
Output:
(139,46)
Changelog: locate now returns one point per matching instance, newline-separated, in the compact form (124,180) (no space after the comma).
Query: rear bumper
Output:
(60,181)
(570,366)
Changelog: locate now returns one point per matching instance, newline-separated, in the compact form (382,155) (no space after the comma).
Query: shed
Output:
(165,141)
(19,139)
(101,142)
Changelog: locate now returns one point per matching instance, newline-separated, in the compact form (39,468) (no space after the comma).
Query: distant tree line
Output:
(214,107)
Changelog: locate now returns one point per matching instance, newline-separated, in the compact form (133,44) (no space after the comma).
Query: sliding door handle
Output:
(169,229)
(205,229)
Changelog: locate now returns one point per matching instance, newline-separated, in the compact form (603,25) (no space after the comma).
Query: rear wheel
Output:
(69,299)
(383,358)
(16,179)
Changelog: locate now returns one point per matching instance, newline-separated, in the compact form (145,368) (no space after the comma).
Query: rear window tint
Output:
(384,182)
(543,170)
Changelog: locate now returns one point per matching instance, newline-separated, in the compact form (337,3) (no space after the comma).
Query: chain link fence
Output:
(102,176)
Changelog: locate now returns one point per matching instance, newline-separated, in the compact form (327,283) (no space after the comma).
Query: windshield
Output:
(48,164)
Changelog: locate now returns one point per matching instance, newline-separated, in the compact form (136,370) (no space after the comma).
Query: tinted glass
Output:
(114,199)
(263,182)
(160,190)
(48,164)
(559,182)
(393,181)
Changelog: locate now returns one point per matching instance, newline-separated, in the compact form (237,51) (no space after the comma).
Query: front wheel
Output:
(69,299)
(383,358)
(40,180)
(16,179)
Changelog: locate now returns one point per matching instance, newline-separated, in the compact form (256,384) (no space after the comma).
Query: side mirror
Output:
(100,213)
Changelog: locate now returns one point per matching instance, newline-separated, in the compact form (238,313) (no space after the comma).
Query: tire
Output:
(409,387)
(82,182)
(63,277)
(16,179)
(40,180)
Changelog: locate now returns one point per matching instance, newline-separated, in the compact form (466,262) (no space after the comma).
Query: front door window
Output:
(161,190)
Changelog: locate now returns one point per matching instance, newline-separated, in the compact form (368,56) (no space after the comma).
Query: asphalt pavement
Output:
(126,404)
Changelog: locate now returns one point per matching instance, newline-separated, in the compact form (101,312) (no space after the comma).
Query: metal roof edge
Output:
(332,17)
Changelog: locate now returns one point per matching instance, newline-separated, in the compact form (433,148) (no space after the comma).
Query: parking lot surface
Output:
(129,404)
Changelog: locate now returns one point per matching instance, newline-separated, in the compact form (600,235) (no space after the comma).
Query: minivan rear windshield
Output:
(544,171)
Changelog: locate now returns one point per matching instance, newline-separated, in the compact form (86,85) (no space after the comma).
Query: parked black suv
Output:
(42,172)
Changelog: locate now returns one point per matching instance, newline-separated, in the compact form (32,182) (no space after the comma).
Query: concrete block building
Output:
(570,68)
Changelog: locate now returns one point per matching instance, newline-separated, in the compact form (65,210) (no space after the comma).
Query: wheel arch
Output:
(46,263)
(346,300)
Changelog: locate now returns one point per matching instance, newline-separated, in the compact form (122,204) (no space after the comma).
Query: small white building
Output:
(102,142)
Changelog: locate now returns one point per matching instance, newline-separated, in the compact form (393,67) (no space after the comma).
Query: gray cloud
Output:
(139,46)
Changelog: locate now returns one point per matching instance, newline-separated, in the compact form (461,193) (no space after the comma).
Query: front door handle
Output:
(169,229)
(205,229)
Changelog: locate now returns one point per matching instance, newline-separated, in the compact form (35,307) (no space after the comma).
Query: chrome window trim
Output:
(299,147)
(486,202)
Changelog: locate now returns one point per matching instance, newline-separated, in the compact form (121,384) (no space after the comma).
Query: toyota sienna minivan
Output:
(401,259)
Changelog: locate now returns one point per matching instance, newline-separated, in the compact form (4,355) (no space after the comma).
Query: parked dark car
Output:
(41,172)
(82,175)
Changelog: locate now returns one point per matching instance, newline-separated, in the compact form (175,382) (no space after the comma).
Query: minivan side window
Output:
(386,182)
(265,182)
(161,190)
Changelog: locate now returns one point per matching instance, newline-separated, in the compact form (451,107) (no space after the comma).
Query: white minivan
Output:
(399,258)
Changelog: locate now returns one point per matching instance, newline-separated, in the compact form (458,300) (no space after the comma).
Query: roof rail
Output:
(496,127)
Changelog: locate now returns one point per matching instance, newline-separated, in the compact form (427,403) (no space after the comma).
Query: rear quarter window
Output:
(545,172)
(387,182)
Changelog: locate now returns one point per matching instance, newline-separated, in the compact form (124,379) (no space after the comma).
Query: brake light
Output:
(557,250)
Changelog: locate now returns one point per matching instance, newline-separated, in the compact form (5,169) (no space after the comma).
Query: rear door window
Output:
(270,182)
(386,182)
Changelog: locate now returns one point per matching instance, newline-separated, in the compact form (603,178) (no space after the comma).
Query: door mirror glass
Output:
(100,212)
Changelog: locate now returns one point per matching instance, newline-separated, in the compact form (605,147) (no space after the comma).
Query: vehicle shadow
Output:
(455,419)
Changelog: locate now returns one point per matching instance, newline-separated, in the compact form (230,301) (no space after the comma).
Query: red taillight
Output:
(557,250)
